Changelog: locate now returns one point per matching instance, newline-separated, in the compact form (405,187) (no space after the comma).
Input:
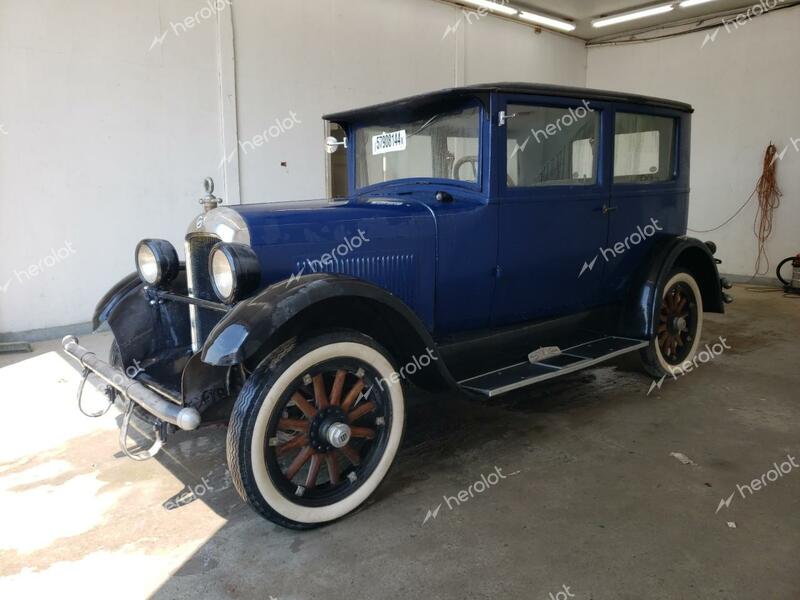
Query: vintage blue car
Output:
(494,236)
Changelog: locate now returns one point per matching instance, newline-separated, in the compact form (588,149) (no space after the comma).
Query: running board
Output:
(573,359)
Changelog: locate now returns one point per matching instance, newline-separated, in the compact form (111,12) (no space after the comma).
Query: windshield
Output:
(439,145)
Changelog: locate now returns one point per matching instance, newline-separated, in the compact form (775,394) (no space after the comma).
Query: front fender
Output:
(678,252)
(252,325)
(113,297)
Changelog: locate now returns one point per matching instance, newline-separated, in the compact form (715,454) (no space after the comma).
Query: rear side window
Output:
(552,146)
(644,148)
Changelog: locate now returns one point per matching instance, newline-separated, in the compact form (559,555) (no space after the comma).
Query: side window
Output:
(644,148)
(552,146)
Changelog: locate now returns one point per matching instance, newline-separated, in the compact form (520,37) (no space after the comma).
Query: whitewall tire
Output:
(678,326)
(315,429)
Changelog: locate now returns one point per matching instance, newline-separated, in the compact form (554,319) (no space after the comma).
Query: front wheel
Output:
(315,429)
(678,326)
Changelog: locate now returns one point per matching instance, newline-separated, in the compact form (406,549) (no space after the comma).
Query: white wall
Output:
(746,92)
(107,142)
(313,57)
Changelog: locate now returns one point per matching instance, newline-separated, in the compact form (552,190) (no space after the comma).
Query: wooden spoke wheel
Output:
(315,429)
(678,325)
(330,427)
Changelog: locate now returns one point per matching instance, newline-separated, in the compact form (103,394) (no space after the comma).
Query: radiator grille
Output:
(198,249)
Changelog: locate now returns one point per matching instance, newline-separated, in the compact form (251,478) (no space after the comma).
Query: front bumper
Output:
(168,410)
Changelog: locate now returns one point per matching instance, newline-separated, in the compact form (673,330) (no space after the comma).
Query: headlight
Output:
(156,261)
(235,271)
(222,275)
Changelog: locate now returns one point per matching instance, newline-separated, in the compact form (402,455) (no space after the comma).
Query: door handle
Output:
(607,209)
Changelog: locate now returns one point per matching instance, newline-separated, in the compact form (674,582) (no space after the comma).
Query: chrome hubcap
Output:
(680,324)
(337,434)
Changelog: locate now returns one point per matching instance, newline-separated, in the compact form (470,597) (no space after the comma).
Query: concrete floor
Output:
(592,498)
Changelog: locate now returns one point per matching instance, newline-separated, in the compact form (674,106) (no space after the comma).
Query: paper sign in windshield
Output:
(389,142)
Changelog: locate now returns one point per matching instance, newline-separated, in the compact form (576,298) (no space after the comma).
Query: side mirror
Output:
(332,144)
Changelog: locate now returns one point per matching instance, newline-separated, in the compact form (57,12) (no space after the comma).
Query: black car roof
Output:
(483,91)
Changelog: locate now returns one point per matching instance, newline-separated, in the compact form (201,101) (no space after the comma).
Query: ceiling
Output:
(581,12)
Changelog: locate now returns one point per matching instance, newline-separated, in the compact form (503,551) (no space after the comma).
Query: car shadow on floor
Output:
(441,429)
(445,424)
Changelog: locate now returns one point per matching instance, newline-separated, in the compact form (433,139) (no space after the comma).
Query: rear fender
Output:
(691,254)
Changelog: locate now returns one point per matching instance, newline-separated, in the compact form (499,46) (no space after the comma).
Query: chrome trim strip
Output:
(190,281)
(557,372)
(192,308)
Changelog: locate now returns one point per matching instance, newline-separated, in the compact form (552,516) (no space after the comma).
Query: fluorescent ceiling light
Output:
(631,16)
(688,3)
(494,6)
(547,21)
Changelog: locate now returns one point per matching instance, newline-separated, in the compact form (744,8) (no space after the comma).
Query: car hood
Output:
(259,216)
(388,241)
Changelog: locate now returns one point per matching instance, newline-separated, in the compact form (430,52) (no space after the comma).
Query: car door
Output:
(649,190)
(551,195)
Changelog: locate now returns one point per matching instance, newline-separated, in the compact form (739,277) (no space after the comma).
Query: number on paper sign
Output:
(389,142)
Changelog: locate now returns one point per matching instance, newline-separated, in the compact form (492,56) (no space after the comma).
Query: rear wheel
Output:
(678,326)
(315,429)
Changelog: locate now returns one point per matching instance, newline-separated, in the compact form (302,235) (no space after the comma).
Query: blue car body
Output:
(479,270)
(513,253)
